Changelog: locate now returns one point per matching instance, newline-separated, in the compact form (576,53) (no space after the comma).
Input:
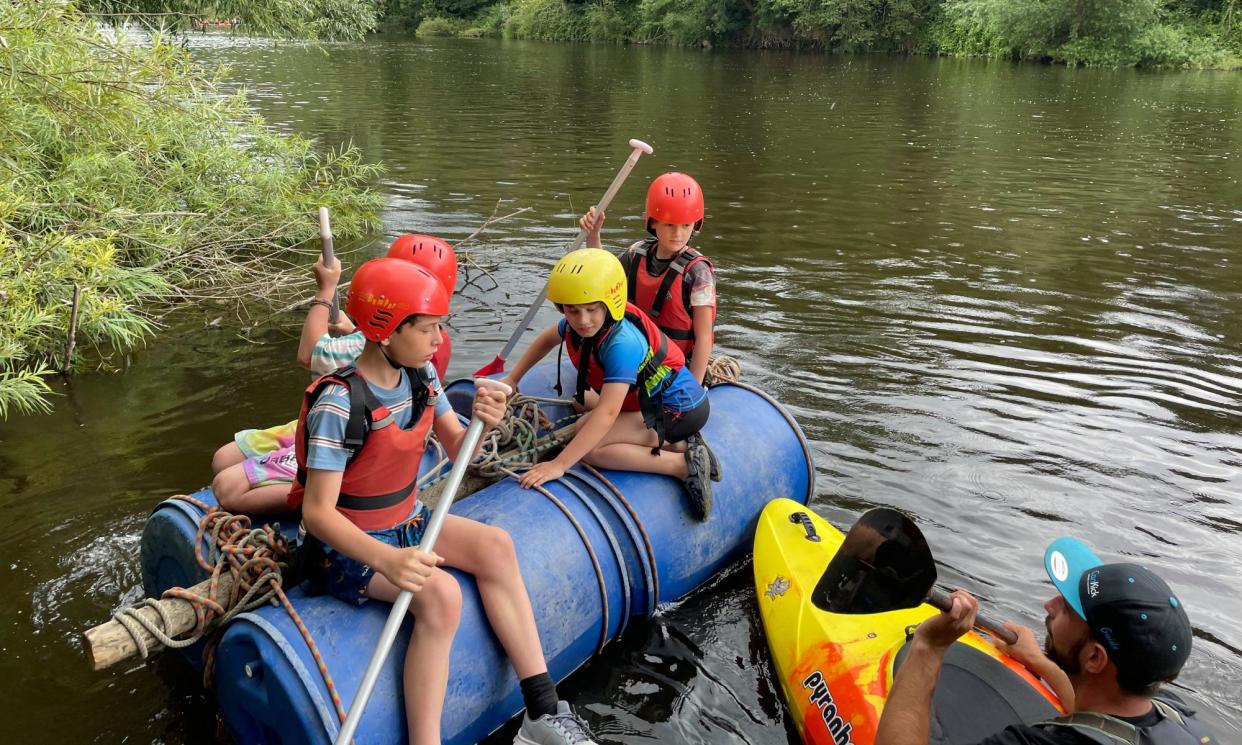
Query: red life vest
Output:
(379,486)
(665,297)
(444,352)
(584,353)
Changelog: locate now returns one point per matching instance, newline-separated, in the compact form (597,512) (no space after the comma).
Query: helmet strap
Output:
(384,352)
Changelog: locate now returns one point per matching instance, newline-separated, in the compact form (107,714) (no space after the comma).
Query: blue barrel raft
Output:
(166,552)
(603,551)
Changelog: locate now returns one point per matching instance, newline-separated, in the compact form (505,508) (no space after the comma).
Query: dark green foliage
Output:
(324,19)
(126,172)
(1154,33)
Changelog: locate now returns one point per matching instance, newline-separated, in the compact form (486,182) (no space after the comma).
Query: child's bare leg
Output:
(487,553)
(437,608)
(226,456)
(232,489)
(627,447)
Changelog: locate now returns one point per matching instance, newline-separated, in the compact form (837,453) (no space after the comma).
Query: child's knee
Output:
(437,606)
(499,550)
(230,484)
(227,455)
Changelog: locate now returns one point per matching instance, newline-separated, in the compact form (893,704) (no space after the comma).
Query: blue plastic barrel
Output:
(166,552)
(601,554)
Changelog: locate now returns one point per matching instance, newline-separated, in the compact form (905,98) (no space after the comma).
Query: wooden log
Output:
(110,643)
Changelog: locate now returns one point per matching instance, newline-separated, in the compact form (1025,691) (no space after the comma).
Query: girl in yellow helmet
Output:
(649,406)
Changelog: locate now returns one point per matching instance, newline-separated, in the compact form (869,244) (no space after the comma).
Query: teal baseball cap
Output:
(1129,609)
(1066,560)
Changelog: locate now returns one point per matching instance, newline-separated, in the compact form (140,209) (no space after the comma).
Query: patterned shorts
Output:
(277,467)
(256,442)
(347,579)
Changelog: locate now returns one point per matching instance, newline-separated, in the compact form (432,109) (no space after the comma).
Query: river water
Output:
(1004,298)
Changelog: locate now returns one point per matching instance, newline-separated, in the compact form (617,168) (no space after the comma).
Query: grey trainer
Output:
(562,728)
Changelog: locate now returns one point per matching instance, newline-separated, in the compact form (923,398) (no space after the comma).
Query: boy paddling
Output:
(667,278)
(359,502)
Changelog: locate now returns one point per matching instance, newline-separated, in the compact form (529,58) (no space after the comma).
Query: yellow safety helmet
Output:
(589,275)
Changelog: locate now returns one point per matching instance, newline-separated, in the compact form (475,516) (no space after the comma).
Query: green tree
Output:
(1040,28)
(324,19)
(126,173)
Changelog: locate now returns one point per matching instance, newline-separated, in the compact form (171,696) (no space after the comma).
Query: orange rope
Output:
(253,561)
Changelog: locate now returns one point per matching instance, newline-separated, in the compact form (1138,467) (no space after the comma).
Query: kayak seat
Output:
(978,696)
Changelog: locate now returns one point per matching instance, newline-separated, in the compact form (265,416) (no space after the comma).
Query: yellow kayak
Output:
(836,669)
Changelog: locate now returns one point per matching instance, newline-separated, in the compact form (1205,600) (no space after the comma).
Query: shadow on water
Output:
(1005,299)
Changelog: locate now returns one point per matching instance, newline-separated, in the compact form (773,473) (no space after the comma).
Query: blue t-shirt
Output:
(325,422)
(624,352)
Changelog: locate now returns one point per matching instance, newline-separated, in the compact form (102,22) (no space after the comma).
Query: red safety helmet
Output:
(674,198)
(387,291)
(428,251)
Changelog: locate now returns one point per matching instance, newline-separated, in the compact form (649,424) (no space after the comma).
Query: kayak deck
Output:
(836,669)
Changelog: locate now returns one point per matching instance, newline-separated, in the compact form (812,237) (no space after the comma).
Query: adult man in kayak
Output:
(1117,631)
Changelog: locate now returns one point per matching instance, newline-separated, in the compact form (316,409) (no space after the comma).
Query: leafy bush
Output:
(125,172)
(491,22)
(546,20)
(441,26)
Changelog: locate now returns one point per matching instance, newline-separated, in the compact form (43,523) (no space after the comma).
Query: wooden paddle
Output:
(325,235)
(885,564)
(638,148)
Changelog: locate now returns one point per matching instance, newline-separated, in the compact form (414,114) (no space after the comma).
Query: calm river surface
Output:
(1007,299)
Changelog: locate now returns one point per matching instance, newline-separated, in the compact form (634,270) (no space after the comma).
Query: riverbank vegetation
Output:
(1139,33)
(129,182)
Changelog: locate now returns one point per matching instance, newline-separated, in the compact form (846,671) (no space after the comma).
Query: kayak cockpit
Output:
(978,695)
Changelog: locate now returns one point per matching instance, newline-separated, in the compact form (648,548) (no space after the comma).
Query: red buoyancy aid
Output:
(379,486)
(663,354)
(665,297)
(444,352)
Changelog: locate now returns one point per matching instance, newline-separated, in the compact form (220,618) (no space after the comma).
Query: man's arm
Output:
(907,712)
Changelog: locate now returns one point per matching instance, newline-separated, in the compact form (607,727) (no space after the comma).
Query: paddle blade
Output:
(884,564)
(494,367)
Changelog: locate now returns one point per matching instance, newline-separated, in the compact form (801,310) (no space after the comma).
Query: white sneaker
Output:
(562,728)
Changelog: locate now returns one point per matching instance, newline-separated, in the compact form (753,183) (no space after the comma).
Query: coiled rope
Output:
(514,443)
(255,558)
(722,369)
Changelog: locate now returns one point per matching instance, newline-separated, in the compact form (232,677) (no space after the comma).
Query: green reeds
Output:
(125,171)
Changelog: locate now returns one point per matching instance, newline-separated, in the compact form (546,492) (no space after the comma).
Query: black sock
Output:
(539,695)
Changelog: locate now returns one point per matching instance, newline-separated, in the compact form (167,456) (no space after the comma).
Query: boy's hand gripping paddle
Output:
(638,149)
(885,564)
(402,604)
(325,235)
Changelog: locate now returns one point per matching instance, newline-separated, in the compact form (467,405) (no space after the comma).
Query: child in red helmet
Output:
(672,282)
(361,511)
(255,471)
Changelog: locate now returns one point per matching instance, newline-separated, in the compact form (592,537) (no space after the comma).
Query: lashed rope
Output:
(722,369)
(255,557)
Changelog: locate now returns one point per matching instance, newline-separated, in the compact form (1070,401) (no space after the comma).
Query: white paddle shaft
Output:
(402,604)
(638,149)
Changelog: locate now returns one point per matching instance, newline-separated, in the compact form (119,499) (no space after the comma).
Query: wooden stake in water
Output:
(402,604)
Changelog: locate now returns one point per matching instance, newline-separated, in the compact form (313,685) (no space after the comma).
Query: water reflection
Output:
(1002,298)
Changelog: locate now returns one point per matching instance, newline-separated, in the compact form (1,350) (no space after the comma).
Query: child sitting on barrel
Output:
(360,439)
(671,281)
(649,404)
(253,473)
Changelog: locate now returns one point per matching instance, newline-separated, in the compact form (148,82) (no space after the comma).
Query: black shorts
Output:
(678,425)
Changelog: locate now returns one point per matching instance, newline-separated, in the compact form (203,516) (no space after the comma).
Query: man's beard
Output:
(1068,661)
